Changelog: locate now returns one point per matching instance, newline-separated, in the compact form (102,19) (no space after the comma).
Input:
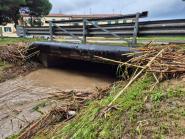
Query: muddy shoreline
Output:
(29,94)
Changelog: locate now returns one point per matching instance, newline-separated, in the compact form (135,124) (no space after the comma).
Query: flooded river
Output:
(19,97)
(65,79)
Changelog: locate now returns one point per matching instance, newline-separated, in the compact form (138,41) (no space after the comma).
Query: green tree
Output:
(39,7)
(10,9)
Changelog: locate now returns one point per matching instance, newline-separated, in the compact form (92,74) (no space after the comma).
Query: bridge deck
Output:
(85,52)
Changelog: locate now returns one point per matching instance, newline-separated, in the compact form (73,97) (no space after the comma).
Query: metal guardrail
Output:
(128,16)
(120,30)
(162,28)
(87,28)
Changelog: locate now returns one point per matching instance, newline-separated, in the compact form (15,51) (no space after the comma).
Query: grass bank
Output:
(178,38)
(6,41)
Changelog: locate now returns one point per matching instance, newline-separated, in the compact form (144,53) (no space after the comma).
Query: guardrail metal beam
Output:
(107,31)
(141,15)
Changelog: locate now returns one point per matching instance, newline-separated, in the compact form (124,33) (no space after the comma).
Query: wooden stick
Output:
(131,54)
(118,62)
(134,78)
(23,57)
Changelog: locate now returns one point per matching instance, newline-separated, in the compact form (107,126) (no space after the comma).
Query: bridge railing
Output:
(88,27)
(127,31)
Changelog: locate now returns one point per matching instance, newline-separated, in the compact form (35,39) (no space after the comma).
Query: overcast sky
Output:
(158,9)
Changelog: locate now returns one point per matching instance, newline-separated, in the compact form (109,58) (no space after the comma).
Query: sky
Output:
(158,9)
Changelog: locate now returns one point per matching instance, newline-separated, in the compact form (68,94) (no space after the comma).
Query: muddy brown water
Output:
(65,79)
(18,97)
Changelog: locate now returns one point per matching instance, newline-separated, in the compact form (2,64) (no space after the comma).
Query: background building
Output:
(8,30)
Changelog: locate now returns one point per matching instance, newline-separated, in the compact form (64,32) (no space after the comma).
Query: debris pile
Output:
(16,54)
(79,97)
(165,61)
(54,116)
(17,58)
(74,100)
(170,63)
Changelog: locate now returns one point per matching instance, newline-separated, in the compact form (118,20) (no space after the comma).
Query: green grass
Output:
(176,38)
(5,41)
(172,38)
(139,44)
(13,137)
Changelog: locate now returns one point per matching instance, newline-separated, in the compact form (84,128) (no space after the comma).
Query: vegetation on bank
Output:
(138,113)
(176,38)
(9,41)
(140,40)
(172,38)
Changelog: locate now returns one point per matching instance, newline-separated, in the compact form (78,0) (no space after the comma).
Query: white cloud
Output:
(156,8)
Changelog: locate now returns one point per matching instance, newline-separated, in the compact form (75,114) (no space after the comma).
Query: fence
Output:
(88,28)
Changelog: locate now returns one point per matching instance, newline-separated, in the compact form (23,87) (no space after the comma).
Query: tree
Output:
(10,9)
(39,7)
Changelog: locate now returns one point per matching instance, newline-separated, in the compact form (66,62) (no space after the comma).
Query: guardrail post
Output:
(51,30)
(84,31)
(21,31)
(24,32)
(136,28)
